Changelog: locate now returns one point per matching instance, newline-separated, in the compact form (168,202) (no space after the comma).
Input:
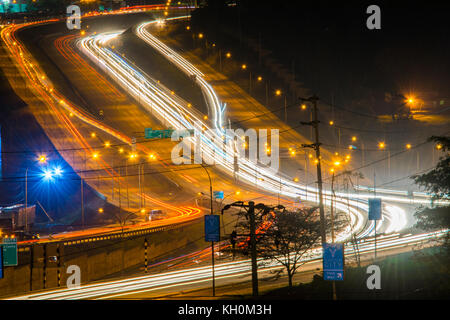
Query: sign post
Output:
(375,214)
(212,234)
(9,248)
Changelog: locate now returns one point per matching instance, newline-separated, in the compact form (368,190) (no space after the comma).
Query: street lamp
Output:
(212,242)
(42,159)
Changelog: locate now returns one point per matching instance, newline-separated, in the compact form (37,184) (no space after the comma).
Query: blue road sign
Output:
(212,228)
(218,194)
(1,262)
(333,261)
(375,209)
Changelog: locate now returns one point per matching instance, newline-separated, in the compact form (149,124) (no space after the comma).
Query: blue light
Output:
(57,171)
(48,175)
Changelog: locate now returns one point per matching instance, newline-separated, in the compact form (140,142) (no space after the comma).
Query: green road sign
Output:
(153,134)
(9,248)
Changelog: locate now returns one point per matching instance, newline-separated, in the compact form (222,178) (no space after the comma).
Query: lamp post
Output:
(82,203)
(42,159)
(212,242)
(26,200)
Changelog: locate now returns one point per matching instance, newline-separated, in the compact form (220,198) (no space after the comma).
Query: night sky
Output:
(335,52)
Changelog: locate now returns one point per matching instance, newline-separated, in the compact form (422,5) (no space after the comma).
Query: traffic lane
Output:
(56,120)
(197,288)
(118,113)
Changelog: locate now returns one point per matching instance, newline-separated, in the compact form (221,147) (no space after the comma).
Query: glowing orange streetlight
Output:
(303,106)
(244,66)
(42,159)
(133,156)
(381,145)
(408,146)
(259,78)
(228,55)
(278,92)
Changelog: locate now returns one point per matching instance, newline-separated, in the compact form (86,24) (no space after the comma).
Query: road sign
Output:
(1,264)
(333,261)
(218,194)
(162,134)
(9,248)
(212,228)
(375,209)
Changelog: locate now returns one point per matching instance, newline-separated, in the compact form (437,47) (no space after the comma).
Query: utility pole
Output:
(316,146)
(251,214)
(333,195)
(250,209)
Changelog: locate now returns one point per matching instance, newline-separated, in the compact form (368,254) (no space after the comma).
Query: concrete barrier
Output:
(97,257)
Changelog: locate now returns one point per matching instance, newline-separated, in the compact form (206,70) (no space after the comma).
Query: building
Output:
(13,218)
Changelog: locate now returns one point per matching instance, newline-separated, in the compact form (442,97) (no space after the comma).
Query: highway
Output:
(172,110)
(70,128)
(165,283)
(176,112)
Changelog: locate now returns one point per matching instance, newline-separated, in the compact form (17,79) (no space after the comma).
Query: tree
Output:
(436,182)
(290,236)
(282,236)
